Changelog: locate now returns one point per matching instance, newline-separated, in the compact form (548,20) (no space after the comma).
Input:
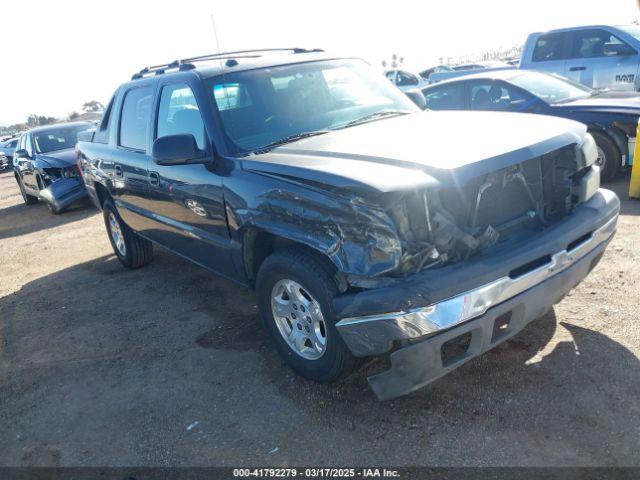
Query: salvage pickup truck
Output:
(366,226)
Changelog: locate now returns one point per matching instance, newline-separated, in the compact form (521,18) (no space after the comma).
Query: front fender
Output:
(358,239)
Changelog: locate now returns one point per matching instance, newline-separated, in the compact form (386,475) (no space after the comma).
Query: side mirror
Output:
(618,50)
(177,150)
(417,97)
(22,153)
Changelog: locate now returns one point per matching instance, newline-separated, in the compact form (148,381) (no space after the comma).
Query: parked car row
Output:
(6,152)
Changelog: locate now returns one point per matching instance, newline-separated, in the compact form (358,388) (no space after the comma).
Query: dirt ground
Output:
(168,365)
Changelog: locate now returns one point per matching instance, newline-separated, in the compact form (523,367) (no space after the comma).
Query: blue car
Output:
(44,165)
(611,117)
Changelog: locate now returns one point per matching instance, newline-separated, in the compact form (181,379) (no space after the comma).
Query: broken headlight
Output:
(586,181)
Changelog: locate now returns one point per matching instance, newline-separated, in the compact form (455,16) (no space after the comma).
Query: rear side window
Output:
(551,46)
(446,97)
(134,119)
(179,113)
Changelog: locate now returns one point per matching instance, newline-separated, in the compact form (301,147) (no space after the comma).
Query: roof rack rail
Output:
(187,63)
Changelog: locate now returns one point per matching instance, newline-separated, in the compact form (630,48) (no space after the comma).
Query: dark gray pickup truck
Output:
(366,226)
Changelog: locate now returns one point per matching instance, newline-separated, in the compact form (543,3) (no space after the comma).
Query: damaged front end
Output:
(452,223)
(61,186)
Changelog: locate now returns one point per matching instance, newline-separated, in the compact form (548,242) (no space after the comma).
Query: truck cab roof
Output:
(207,66)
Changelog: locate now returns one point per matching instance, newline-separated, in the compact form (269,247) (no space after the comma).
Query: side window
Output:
(406,79)
(550,47)
(21,142)
(591,43)
(134,118)
(494,96)
(446,97)
(102,132)
(179,113)
(12,144)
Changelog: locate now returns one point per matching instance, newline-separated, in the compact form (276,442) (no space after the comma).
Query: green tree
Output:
(92,106)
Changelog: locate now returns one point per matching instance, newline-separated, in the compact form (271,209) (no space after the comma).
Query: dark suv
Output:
(366,226)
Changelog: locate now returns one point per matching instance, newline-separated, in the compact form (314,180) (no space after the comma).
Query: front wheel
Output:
(26,198)
(609,158)
(294,296)
(132,250)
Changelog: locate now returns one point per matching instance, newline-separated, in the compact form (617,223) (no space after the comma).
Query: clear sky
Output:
(60,54)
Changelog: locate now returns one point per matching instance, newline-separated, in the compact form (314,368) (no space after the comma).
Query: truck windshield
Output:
(270,106)
(550,88)
(57,138)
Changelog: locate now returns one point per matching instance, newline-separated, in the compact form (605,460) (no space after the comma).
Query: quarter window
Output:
(102,132)
(179,114)
(134,119)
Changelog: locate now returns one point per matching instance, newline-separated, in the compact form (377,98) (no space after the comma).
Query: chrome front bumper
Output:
(374,333)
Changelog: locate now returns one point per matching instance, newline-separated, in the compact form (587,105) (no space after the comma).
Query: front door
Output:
(132,158)
(590,64)
(188,200)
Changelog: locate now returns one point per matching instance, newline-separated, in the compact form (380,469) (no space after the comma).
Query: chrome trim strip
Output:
(474,303)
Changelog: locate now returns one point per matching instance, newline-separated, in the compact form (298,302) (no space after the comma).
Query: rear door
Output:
(589,64)
(550,52)
(132,157)
(188,203)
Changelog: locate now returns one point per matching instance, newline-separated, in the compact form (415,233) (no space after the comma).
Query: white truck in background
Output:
(600,56)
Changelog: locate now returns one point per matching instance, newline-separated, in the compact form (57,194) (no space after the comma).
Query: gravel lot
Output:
(168,365)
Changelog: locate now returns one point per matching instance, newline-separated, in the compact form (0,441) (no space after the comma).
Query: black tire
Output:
(610,164)
(53,209)
(298,265)
(138,251)
(28,199)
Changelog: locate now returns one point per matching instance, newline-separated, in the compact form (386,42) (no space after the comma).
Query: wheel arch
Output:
(258,243)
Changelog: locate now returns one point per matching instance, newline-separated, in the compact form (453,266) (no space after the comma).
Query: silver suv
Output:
(601,57)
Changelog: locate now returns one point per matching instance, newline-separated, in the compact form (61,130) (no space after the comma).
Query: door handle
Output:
(154,179)
(577,69)
(118,170)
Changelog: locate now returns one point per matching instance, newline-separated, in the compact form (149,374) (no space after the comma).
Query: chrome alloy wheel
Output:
(600,159)
(116,234)
(299,319)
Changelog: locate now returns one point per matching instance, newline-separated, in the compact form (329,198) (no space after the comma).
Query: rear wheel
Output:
(295,291)
(609,158)
(132,250)
(28,199)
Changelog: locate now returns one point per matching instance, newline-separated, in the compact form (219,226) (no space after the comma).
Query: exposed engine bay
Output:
(452,224)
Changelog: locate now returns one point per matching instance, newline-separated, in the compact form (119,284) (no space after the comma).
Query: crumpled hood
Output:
(417,150)
(613,102)
(60,158)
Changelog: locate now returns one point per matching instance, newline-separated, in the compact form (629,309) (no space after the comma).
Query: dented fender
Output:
(359,239)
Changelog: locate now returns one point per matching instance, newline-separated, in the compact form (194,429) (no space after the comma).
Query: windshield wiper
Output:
(289,139)
(373,116)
